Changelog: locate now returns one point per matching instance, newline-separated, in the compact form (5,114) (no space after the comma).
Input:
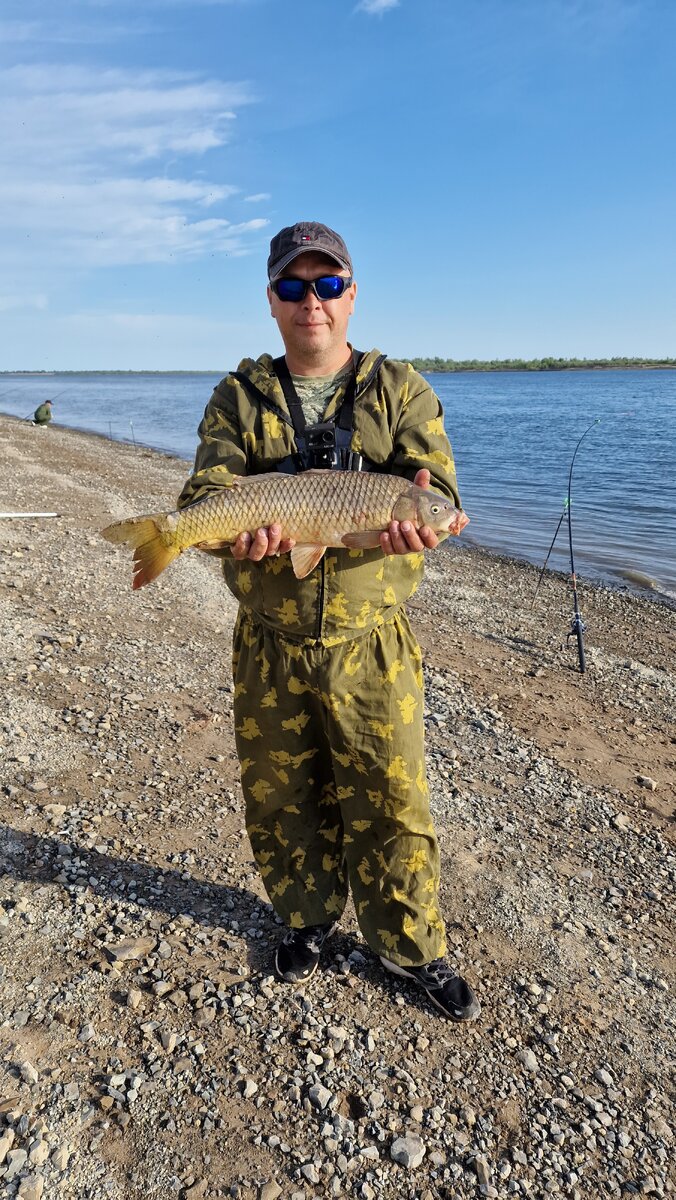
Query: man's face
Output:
(313,329)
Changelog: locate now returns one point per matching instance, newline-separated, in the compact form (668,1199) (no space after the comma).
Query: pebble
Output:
(270,1191)
(31,1188)
(39,1152)
(320,1096)
(529,1061)
(408,1150)
(61,1157)
(130,950)
(15,1160)
(28,1072)
(198,1190)
(483,1171)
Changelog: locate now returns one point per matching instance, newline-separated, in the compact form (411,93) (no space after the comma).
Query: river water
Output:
(513,435)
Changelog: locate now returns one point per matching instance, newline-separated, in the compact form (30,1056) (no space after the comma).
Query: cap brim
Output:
(296,253)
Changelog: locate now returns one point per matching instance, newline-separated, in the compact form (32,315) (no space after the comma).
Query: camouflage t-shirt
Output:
(314,392)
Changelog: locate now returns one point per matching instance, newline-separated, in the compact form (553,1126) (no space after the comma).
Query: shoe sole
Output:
(470,1014)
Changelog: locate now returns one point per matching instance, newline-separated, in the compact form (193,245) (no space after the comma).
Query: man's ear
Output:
(353,289)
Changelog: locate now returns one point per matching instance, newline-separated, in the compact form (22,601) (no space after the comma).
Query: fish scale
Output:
(312,506)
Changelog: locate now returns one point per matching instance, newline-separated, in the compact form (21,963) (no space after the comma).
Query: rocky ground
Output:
(146,1050)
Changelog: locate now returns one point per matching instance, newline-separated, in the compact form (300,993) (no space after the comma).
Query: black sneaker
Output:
(298,952)
(448,991)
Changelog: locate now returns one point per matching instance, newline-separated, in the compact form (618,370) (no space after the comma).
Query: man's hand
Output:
(265,543)
(403,537)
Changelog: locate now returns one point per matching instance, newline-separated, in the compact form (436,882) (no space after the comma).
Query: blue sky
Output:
(502,170)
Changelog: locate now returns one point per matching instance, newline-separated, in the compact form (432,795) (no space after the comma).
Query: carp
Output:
(316,509)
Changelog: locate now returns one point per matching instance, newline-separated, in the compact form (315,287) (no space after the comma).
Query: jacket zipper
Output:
(320,602)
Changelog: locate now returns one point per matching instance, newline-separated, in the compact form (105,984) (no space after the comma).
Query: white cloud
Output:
(376,7)
(73,144)
(68,114)
(259,196)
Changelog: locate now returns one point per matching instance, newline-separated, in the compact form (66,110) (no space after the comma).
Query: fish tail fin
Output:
(154,546)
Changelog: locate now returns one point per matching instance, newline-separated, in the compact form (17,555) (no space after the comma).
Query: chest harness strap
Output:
(326,444)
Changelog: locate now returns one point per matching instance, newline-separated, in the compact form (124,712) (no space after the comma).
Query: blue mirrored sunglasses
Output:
(327,287)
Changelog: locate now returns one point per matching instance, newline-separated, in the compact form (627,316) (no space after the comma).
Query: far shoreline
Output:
(427,366)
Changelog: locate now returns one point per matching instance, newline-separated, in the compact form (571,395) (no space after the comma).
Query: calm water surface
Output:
(513,435)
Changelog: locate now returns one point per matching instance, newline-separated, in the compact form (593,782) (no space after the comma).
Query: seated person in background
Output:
(43,414)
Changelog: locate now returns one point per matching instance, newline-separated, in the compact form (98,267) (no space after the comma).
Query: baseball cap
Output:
(301,238)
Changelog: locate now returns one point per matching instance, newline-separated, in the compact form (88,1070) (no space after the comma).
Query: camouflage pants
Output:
(331,748)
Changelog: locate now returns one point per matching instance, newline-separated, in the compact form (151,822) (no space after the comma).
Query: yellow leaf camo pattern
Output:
(361,589)
(329,804)
(328,678)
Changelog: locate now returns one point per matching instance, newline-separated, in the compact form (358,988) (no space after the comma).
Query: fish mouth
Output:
(458,521)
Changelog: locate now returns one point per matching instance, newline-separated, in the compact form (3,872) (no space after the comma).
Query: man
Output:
(328,701)
(43,413)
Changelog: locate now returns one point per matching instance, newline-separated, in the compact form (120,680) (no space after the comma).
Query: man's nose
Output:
(311,301)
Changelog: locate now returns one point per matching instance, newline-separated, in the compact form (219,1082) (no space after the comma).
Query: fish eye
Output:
(435,508)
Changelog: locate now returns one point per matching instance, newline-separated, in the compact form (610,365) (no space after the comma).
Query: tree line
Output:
(537,364)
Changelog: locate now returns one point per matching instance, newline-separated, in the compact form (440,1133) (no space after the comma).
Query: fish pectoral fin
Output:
(305,558)
(216,544)
(367,539)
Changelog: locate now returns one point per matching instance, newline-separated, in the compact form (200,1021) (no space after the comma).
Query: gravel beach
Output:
(147,1052)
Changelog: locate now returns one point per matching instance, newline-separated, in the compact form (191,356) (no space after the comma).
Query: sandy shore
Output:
(145,1050)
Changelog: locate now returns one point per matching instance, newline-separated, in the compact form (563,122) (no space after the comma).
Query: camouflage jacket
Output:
(398,423)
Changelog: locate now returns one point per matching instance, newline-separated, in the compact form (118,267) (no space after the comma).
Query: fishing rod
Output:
(578,626)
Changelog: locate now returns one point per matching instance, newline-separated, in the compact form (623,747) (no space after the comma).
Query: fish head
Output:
(425,507)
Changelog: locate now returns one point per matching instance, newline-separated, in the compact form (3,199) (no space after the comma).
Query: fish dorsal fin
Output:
(367,539)
(304,558)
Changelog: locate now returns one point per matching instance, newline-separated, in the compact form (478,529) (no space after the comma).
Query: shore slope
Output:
(145,1050)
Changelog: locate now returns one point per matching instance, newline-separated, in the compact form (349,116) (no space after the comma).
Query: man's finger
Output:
(259,546)
(423,478)
(398,542)
(428,537)
(410,538)
(240,548)
(274,538)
